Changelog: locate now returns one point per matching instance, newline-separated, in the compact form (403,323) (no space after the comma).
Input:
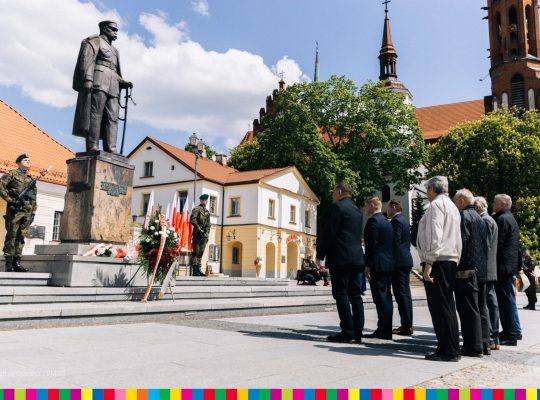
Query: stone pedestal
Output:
(98,199)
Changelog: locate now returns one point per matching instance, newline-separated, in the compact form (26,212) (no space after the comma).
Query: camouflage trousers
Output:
(17,224)
(199,244)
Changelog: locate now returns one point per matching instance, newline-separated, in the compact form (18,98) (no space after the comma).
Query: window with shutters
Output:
(518,91)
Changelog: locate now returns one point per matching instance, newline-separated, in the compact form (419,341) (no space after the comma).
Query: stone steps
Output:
(24,279)
(197,290)
(21,316)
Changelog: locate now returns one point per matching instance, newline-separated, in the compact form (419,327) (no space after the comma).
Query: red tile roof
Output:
(208,169)
(252,176)
(435,121)
(18,135)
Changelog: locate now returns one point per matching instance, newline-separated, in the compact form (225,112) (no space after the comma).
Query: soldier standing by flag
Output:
(19,213)
(200,219)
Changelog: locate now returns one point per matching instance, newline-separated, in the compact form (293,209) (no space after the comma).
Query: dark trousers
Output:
(103,121)
(484,313)
(493,308)
(506,298)
(531,290)
(466,292)
(402,294)
(381,283)
(440,297)
(17,224)
(347,292)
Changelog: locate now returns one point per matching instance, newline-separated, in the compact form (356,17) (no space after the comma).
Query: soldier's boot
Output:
(9,263)
(194,271)
(17,267)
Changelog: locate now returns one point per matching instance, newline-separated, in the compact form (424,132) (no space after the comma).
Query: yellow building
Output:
(269,216)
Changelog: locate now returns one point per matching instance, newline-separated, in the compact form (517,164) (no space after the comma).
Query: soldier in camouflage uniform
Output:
(200,219)
(18,217)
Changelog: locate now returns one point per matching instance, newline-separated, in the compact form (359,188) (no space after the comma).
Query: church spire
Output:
(387,60)
(388,54)
(316,74)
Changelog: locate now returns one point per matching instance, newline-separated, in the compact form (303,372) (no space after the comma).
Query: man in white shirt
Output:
(439,247)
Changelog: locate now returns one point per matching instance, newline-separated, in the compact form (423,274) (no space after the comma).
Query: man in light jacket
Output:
(439,247)
(480,205)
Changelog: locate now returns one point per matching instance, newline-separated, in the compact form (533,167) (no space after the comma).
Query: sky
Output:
(206,66)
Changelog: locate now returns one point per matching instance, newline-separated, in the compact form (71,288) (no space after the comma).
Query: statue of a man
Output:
(98,80)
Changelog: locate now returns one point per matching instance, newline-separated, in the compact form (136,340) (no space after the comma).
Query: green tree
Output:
(498,154)
(417,213)
(334,131)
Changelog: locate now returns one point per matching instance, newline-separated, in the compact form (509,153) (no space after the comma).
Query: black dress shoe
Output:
(358,340)
(467,353)
(439,357)
(486,351)
(340,338)
(403,331)
(508,342)
(527,307)
(376,335)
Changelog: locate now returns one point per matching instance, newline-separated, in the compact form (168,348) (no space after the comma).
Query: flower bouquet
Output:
(158,233)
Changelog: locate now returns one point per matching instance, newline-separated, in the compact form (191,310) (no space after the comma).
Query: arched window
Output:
(518,91)
(513,24)
(532,103)
(498,38)
(386,194)
(495,104)
(531,32)
(504,101)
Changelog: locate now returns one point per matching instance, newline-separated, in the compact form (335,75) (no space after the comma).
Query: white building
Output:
(269,214)
(19,135)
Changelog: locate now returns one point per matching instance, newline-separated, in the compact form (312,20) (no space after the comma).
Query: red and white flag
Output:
(149,210)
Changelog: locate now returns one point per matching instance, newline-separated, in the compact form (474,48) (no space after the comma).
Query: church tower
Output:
(388,60)
(514,51)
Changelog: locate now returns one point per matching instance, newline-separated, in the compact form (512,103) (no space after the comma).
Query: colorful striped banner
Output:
(270,394)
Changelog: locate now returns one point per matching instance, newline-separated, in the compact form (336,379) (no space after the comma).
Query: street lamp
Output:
(197,147)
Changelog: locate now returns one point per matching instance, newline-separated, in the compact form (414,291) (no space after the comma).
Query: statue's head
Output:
(109,29)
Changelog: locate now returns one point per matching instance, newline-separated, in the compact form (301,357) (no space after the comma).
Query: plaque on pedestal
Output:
(97,205)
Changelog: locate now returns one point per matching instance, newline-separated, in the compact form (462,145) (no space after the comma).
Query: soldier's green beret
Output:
(203,197)
(21,157)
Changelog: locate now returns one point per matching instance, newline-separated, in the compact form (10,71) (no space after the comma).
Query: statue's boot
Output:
(17,267)
(9,263)
(200,271)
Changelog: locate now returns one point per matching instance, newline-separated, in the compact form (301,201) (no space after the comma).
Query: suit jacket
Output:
(474,249)
(402,242)
(102,78)
(507,243)
(379,241)
(492,236)
(340,240)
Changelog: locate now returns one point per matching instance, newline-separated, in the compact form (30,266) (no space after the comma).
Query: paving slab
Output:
(257,351)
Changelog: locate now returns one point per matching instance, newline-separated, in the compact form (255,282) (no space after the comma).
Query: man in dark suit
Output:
(378,238)
(507,268)
(403,264)
(340,242)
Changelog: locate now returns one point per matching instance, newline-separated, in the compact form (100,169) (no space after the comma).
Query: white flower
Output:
(156,233)
(156,221)
(147,240)
(168,232)
(100,251)
(152,228)
(175,235)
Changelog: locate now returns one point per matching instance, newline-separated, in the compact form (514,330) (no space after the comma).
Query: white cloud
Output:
(200,7)
(178,84)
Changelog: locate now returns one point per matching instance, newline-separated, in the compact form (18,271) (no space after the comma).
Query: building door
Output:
(292,259)
(271,261)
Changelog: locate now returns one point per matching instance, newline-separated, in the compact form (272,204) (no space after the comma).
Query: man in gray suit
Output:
(489,295)
(98,79)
